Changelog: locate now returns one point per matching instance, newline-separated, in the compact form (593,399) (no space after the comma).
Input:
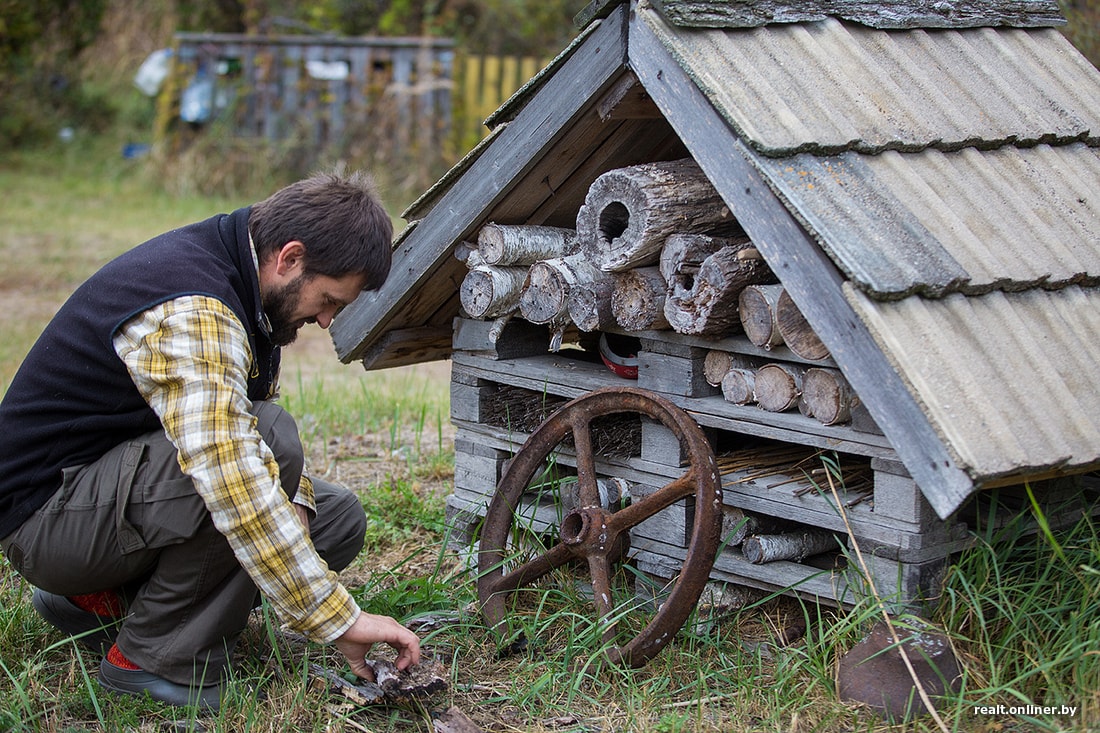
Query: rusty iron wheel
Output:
(592,535)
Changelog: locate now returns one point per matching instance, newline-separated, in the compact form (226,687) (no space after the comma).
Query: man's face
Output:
(308,299)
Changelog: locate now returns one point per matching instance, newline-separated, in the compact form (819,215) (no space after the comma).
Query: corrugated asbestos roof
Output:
(828,87)
(953,176)
(1008,379)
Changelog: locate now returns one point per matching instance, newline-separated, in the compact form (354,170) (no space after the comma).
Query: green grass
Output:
(1022,610)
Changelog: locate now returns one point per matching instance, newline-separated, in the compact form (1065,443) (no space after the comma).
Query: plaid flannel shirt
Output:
(190,360)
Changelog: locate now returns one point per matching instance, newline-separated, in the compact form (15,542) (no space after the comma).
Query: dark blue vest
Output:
(72,399)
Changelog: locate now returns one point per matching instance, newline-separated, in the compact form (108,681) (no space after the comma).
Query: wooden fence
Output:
(397,92)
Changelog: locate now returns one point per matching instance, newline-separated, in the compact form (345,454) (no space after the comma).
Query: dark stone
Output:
(873,672)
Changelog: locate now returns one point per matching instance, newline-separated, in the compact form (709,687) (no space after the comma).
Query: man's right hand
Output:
(356,642)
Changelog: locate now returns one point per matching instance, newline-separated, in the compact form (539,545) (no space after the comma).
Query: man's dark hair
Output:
(340,220)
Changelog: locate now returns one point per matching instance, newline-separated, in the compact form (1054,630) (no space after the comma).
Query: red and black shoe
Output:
(93,620)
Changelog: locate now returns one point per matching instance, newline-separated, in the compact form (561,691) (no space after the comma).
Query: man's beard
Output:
(279,307)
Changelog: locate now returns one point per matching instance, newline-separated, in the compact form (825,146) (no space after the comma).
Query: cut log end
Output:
(757,310)
(796,330)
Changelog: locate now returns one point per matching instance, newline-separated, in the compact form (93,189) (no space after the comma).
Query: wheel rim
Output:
(596,536)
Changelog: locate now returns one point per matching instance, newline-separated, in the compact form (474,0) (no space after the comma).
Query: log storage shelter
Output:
(858,243)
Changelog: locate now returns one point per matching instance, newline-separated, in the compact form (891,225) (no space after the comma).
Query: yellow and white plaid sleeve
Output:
(189,359)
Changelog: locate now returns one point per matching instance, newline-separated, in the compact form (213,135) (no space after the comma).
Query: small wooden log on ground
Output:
(390,686)
(705,277)
(491,292)
(638,299)
(794,546)
(628,213)
(828,394)
(545,296)
(778,386)
(796,331)
(739,386)
(757,307)
(524,245)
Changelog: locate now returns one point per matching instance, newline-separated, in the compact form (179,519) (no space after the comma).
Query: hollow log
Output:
(545,296)
(828,394)
(778,386)
(739,386)
(628,213)
(491,292)
(795,546)
(796,331)
(518,244)
(703,288)
(638,300)
(757,308)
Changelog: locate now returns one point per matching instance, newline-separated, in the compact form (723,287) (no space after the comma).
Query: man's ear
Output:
(290,259)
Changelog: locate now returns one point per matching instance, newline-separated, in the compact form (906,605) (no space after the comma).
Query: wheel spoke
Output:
(641,510)
(530,571)
(588,493)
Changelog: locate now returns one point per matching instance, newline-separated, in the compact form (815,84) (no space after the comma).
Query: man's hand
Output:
(356,642)
(303,516)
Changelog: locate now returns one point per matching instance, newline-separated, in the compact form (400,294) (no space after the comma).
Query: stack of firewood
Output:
(654,248)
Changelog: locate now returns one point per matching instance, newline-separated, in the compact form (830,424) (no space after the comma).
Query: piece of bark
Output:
(794,546)
(739,386)
(796,330)
(638,299)
(705,277)
(524,245)
(757,309)
(828,394)
(453,720)
(628,213)
(491,292)
(415,683)
(390,686)
(545,296)
(778,386)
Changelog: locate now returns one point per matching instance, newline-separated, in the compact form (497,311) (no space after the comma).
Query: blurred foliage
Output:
(40,43)
(1083,27)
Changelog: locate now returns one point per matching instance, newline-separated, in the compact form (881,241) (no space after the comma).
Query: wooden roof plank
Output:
(894,14)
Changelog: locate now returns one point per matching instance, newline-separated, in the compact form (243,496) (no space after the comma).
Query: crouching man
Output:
(148,485)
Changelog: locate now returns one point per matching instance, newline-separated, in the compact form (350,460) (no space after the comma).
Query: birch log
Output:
(757,308)
(638,300)
(504,244)
(491,292)
(794,546)
(705,277)
(778,386)
(796,330)
(628,213)
(739,386)
(545,296)
(737,525)
(828,394)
